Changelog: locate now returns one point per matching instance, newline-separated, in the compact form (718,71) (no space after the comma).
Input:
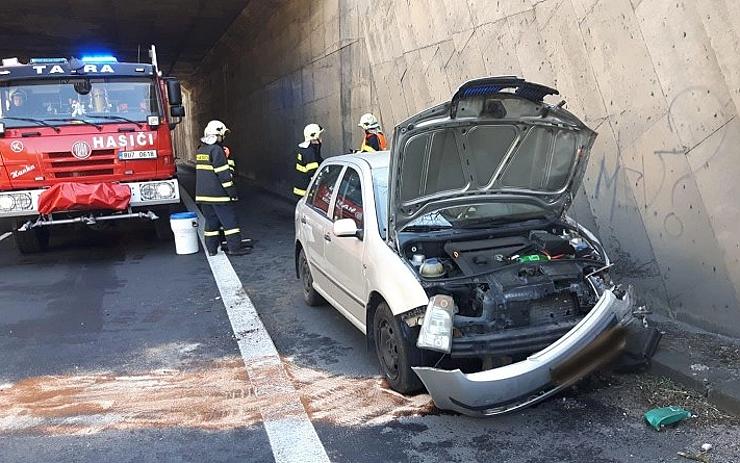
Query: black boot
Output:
(241,251)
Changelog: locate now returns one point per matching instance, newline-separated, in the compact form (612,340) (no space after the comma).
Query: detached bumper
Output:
(597,339)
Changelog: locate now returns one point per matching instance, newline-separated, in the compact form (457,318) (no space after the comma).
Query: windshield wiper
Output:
(72,119)
(37,121)
(118,118)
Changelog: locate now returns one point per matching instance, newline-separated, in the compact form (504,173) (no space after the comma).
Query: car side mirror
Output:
(346,228)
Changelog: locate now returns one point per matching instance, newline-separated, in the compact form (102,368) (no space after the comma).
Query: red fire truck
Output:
(85,141)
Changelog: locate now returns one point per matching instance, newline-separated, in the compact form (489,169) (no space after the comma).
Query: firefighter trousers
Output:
(218,216)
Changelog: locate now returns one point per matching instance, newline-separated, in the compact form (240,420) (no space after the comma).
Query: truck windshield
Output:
(72,101)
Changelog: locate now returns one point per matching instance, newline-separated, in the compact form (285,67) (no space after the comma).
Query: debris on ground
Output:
(660,417)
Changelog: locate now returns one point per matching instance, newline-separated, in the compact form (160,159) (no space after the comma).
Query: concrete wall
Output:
(658,79)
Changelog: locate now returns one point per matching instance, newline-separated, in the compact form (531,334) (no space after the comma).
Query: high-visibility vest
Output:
(367,148)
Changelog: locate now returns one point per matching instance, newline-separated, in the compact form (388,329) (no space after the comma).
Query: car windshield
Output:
(26,103)
(478,216)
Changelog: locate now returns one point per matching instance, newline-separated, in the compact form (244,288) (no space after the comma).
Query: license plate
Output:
(144,154)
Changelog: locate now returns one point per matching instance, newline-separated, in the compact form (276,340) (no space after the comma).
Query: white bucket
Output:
(185,227)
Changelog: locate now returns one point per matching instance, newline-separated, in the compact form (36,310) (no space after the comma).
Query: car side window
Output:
(319,196)
(349,198)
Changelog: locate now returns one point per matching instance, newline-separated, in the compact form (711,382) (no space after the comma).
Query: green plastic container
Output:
(659,417)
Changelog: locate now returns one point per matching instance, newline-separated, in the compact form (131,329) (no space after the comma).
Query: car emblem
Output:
(81,150)
(16,146)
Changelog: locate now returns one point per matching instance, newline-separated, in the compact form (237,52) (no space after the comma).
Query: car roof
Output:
(376,160)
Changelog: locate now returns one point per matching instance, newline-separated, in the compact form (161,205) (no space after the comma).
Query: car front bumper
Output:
(597,339)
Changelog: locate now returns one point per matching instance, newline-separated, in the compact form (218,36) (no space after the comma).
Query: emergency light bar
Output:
(47,60)
(99,59)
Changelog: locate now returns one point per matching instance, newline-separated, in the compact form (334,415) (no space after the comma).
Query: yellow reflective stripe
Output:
(301,168)
(227,184)
(307,168)
(365,148)
(204,167)
(212,199)
(300,156)
(202,157)
(221,169)
(312,165)
(232,231)
(231,163)
(211,233)
(299,192)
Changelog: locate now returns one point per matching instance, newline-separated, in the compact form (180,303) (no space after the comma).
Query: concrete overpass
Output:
(659,80)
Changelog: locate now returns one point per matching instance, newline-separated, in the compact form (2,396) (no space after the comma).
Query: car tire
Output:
(396,354)
(32,241)
(310,296)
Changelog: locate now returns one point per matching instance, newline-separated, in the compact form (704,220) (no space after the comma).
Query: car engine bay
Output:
(515,292)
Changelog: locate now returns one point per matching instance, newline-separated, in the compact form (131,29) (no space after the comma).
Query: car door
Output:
(344,255)
(315,221)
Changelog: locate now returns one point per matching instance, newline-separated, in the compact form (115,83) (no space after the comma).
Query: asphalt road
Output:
(112,348)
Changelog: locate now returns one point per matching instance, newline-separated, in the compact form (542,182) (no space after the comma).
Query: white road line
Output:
(292,436)
(5,235)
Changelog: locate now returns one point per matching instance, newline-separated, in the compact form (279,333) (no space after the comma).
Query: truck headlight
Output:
(7,203)
(436,329)
(15,202)
(157,190)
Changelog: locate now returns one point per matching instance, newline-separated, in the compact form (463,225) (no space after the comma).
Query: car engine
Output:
(513,294)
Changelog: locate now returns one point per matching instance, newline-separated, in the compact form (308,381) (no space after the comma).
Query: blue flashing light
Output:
(99,59)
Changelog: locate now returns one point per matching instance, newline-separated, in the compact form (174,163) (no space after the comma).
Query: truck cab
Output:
(84,141)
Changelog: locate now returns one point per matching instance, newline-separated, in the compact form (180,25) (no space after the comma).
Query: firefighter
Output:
(215,192)
(18,99)
(374,139)
(308,158)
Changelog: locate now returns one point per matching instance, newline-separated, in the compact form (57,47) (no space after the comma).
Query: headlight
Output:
(148,191)
(15,202)
(7,203)
(165,190)
(436,329)
(157,190)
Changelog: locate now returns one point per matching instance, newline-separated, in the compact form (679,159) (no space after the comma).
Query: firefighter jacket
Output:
(232,164)
(307,161)
(214,180)
(373,141)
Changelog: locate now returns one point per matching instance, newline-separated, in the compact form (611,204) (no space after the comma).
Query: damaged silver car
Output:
(455,255)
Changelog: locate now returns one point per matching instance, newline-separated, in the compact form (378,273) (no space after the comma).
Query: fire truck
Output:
(85,140)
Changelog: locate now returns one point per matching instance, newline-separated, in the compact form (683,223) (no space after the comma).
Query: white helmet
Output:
(368,121)
(312,132)
(216,128)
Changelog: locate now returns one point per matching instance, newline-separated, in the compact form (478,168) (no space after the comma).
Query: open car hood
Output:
(495,141)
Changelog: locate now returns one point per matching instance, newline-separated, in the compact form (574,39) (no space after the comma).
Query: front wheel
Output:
(310,295)
(31,241)
(396,354)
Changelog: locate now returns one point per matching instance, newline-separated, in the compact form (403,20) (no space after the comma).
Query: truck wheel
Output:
(32,241)
(396,354)
(310,295)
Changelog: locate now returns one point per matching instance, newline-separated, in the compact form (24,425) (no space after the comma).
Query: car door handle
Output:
(327,236)
(303,220)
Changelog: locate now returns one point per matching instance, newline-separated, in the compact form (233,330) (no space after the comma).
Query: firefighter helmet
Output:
(369,121)
(216,128)
(19,92)
(312,132)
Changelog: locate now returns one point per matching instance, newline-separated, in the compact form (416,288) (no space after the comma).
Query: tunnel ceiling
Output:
(182,30)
